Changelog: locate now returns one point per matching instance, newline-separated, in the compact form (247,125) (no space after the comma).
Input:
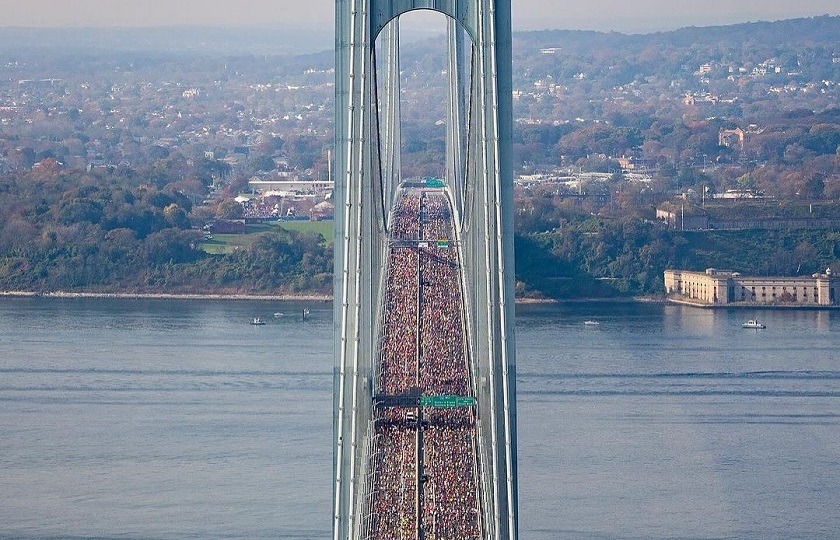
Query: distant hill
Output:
(195,40)
(814,31)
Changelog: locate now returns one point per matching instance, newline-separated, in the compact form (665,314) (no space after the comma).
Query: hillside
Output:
(118,146)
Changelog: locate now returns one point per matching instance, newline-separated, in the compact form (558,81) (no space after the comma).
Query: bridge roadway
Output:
(423,481)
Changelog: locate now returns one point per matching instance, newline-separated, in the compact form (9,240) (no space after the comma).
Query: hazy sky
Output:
(621,15)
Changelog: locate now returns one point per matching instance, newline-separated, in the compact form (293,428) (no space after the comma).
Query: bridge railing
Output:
(367,512)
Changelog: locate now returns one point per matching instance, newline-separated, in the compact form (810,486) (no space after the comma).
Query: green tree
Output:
(176,216)
(263,163)
(229,209)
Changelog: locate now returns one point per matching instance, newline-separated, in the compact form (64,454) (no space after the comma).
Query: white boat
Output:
(591,323)
(753,323)
(257,322)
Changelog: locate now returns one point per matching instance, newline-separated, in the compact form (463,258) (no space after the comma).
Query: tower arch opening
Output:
(422,80)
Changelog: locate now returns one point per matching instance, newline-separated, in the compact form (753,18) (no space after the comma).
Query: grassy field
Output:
(222,244)
(324,228)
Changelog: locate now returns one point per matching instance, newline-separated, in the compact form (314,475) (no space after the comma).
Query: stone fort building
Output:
(719,288)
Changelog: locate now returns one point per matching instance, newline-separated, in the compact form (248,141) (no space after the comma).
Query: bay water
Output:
(177,419)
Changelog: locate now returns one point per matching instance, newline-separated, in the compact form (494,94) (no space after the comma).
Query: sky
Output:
(620,15)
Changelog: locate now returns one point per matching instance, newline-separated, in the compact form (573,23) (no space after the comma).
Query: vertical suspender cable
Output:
(351,49)
(482,94)
(361,113)
(500,256)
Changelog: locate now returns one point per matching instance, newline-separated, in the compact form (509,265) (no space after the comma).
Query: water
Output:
(672,422)
(159,419)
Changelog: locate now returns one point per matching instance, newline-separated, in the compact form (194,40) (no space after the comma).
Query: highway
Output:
(423,481)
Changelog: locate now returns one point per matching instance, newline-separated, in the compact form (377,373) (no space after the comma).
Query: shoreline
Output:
(701,305)
(287,297)
(167,296)
(610,300)
(326,298)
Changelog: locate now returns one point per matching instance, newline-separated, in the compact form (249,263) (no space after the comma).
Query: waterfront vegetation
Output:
(139,240)
(97,232)
(596,258)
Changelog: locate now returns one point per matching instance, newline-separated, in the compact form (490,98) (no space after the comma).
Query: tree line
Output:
(100,231)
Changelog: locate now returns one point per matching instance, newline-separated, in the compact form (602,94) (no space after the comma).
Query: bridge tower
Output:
(480,184)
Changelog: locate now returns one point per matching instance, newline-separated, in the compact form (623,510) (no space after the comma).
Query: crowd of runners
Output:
(423,346)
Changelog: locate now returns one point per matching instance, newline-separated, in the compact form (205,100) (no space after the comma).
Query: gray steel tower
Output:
(480,185)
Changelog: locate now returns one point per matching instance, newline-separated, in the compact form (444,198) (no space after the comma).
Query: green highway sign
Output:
(446,401)
(434,183)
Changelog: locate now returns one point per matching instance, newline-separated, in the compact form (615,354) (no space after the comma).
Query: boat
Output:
(591,323)
(753,323)
(257,322)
